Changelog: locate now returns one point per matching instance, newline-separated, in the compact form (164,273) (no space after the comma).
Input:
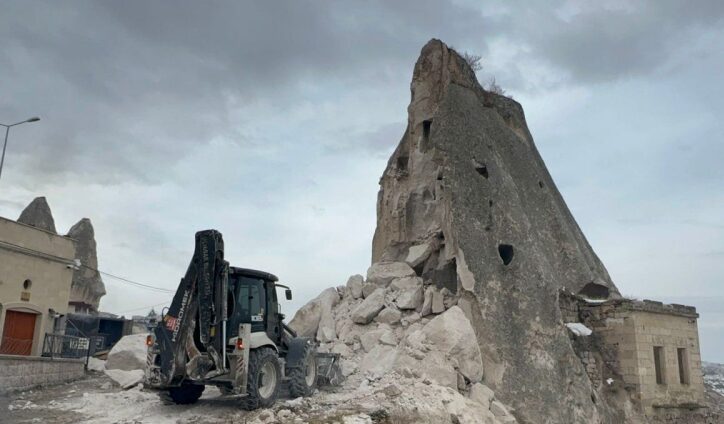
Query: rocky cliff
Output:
(467,201)
(38,214)
(87,287)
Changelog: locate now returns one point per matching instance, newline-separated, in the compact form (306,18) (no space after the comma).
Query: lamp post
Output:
(7,131)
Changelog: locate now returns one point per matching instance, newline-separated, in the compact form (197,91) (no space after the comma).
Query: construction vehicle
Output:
(225,328)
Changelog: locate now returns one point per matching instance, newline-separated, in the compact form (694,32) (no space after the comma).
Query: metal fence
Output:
(62,346)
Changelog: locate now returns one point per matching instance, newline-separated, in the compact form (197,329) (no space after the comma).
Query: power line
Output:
(68,262)
(145,307)
(126,280)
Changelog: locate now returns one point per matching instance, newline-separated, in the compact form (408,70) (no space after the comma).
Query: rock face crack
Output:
(503,265)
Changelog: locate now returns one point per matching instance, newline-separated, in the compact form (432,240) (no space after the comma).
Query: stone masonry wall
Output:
(23,372)
(634,328)
(670,332)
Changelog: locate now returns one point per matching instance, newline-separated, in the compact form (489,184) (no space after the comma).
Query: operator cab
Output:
(253,300)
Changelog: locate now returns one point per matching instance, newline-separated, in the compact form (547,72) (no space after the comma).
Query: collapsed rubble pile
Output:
(404,339)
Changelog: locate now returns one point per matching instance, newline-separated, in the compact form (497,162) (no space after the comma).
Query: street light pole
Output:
(7,131)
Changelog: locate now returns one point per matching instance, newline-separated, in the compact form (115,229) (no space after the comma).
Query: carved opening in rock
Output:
(402,163)
(594,291)
(506,253)
(490,203)
(446,276)
(27,284)
(426,129)
(481,169)
(540,184)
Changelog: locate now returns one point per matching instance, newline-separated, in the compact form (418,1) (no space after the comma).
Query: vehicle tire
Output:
(184,395)
(264,379)
(303,378)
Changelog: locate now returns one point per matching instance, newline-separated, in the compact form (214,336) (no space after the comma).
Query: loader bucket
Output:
(329,371)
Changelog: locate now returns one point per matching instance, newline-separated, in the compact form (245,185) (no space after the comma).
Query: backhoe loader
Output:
(225,328)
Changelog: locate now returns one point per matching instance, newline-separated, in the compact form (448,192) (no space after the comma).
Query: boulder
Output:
(125,379)
(482,394)
(389,316)
(433,366)
(38,214)
(452,334)
(410,295)
(382,273)
(128,354)
(418,253)
(368,288)
(315,319)
(427,302)
(370,307)
(438,302)
(354,286)
(498,409)
(389,338)
(379,360)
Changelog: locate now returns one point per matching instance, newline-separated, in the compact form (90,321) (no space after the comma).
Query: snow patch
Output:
(579,329)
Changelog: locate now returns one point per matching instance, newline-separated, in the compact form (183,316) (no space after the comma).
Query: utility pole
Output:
(7,131)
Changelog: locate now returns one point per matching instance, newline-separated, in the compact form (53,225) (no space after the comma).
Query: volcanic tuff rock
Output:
(468,202)
(87,287)
(38,214)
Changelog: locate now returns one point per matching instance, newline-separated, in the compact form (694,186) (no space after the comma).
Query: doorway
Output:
(18,333)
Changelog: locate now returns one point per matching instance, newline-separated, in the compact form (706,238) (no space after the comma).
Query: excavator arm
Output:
(190,340)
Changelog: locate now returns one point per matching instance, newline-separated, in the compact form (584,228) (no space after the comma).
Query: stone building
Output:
(36,270)
(647,350)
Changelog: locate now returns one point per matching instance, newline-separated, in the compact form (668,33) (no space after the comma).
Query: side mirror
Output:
(288,294)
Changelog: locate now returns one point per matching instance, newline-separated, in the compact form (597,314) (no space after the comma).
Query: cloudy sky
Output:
(272,122)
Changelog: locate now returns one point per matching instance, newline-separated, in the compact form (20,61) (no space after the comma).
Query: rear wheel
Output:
(264,379)
(303,378)
(183,395)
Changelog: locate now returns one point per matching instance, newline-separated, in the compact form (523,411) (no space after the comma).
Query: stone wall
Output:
(35,276)
(23,372)
(635,328)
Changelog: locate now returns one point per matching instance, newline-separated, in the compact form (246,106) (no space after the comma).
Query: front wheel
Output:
(303,378)
(184,395)
(264,379)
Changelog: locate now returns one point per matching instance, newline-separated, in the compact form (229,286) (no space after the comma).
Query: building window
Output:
(27,284)
(683,358)
(659,364)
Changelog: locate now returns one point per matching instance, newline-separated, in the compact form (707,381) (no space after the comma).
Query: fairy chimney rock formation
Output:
(468,203)
(87,287)
(38,214)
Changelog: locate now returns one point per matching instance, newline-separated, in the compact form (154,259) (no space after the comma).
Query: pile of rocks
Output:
(126,362)
(392,326)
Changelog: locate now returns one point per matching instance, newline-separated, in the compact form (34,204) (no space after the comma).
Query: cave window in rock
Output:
(481,169)
(540,184)
(506,253)
(594,291)
(402,163)
(426,125)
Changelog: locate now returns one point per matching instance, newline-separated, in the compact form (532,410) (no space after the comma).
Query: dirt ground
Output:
(95,399)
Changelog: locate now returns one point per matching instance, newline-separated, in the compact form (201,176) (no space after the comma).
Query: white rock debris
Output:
(128,354)
(408,352)
(579,329)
